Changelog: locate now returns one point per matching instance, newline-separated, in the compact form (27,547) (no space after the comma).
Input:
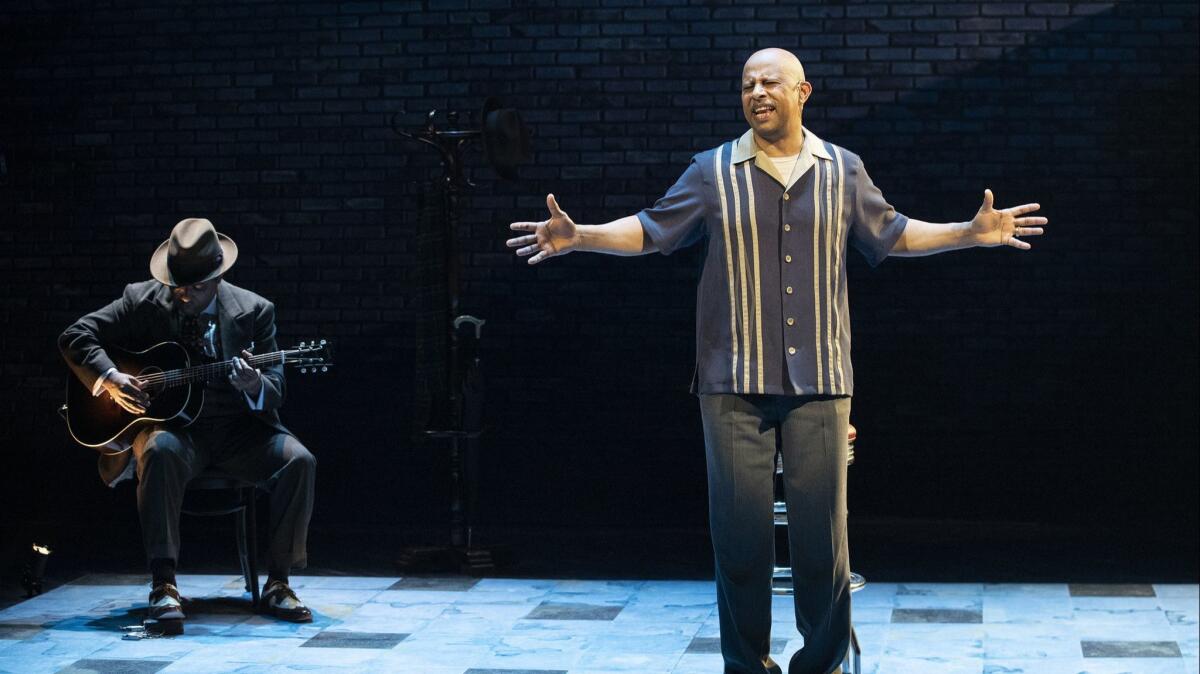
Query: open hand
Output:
(126,391)
(1001,228)
(555,236)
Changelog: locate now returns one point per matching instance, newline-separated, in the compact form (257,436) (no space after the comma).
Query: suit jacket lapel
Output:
(235,334)
(166,327)
(162,298)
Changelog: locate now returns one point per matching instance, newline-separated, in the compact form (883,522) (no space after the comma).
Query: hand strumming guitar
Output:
(127,391)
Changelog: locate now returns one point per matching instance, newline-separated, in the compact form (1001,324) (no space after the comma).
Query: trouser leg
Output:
(283,466)
(166,460)
(815,451)
(292,489)
(740,449)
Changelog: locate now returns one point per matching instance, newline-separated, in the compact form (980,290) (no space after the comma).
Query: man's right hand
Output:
(127,391)
(555,236)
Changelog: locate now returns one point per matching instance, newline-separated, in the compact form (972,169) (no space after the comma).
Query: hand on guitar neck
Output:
(127,391)
(245,377)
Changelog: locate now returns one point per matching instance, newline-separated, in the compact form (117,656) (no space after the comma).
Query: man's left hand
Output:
(992,228)
(244,378)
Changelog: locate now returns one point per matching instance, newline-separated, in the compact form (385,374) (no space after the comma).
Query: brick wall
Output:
(1058,385)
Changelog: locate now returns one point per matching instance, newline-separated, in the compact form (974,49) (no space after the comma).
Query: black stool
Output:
(240,503)
(781,579)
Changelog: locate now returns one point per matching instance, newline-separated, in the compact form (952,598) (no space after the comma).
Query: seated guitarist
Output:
(238,429)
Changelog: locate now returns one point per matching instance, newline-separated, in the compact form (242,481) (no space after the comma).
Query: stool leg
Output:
(855,653)
(252,544)
(239,532)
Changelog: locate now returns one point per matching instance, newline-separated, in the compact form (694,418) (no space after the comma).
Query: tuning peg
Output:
(301,345)
(324,368)
(323,342)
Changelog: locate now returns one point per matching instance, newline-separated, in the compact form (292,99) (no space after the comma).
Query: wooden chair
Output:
(238,500)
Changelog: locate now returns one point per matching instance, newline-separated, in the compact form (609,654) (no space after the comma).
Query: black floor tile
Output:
(378,640)
(567,611)
(101,666)
(1111,590)
(937,615)
(1131,649)
(437,583)
(17,631)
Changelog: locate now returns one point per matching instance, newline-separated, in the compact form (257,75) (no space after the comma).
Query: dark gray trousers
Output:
(241,446)
(741,434)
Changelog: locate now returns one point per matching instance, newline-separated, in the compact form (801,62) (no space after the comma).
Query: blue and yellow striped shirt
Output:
(772,314)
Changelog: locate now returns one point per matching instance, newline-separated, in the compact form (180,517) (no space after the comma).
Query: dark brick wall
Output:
(1058,385)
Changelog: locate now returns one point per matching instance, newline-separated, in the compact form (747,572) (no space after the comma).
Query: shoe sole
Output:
(169,627)
(287,618)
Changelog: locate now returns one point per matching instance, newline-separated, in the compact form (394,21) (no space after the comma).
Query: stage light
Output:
(35,569)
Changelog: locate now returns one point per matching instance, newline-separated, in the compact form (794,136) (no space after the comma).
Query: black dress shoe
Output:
(165,612)
(278,600)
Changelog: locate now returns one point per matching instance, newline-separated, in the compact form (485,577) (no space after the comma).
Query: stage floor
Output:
(424,625)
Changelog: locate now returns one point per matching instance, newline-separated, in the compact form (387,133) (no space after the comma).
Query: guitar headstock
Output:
(311,356)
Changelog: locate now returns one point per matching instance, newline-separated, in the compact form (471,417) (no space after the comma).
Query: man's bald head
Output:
(773,96)
(783,59)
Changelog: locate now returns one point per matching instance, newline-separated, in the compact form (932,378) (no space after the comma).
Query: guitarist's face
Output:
(193,299)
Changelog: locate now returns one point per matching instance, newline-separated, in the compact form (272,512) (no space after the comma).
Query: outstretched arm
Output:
(989,228)
(559,235)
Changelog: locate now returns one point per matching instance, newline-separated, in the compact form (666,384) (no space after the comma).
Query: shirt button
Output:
(787,258)
(788,290)
(787,227)
(785,196)
(791,350)
(791,321)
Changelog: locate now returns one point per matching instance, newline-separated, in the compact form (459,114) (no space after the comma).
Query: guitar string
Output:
(205,371)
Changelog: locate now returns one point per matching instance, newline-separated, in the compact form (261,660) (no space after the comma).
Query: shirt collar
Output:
(745,148)
(209,310)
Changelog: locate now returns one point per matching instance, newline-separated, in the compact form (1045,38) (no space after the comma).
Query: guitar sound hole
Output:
(155,385)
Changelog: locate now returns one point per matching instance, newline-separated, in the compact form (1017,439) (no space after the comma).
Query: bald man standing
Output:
(777,209)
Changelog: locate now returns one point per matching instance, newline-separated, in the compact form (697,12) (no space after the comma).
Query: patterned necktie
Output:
(197,333)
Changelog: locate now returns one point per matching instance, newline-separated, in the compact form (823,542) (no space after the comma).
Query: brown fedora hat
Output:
(194,253)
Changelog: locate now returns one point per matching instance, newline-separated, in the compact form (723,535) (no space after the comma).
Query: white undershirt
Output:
(785,166)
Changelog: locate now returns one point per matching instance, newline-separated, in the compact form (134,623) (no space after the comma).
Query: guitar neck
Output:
(209,371)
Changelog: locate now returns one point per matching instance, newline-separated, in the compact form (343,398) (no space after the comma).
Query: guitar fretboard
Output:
(209,371)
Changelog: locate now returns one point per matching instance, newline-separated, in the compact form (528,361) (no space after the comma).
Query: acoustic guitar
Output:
(175,388)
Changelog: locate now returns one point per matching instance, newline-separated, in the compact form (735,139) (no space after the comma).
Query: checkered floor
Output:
(497,625)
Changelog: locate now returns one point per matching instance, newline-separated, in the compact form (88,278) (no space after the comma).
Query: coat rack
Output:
(450,404)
